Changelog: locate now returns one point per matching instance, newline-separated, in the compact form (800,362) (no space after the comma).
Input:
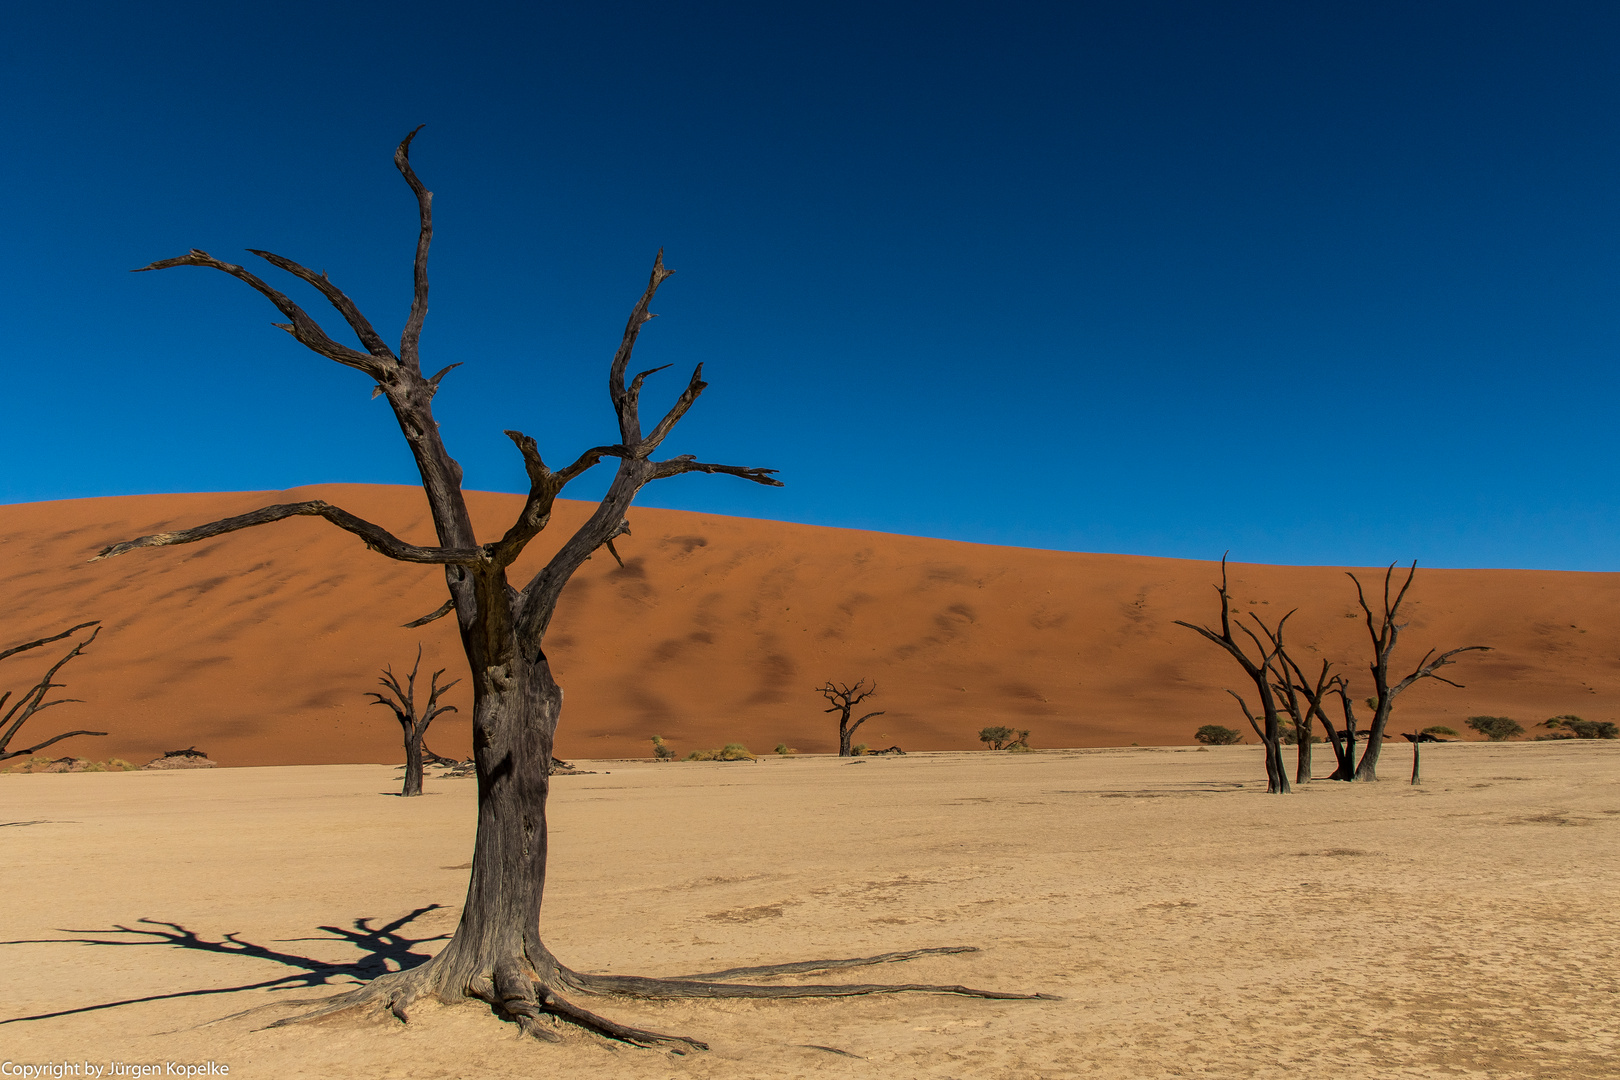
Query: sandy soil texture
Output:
(1193,925)
(257,647)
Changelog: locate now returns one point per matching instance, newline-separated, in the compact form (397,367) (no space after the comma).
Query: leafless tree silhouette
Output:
(1384,629)
(1260,672)
(497,954)
(402,700)
(844,698)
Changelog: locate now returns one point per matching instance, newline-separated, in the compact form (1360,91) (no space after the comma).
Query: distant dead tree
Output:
(844,698)
(1384,630)
(1417,739)
(402,700)
(1301,697)
(37,698)
(1260,672)
(497,954)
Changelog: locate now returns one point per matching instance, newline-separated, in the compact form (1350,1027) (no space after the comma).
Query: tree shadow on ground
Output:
(384,948)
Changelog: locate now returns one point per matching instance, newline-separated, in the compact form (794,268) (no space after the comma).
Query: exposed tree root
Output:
(535,1002)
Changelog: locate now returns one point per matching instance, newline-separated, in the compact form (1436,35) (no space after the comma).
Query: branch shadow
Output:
(385,948)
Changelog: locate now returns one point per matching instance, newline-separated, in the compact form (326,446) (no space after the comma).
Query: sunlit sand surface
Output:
(1193,925)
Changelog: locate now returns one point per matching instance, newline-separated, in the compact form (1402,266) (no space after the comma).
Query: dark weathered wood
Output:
(1384,630)
(376,537)
(36,699)
(402,701)
(1260,672)
(844,698)
(1416,741)
(1291,695)
(1315,693)
(496,954)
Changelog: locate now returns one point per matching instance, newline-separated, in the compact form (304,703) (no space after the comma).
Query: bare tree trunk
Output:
(1346,753)
(413,765)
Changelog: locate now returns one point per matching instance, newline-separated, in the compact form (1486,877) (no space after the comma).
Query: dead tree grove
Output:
(1260,673)
(37,698)
(844,698)
(497,954)
(402,700)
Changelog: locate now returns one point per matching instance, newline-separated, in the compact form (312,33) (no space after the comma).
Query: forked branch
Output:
(305,329)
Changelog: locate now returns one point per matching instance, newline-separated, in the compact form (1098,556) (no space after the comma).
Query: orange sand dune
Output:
(259,646)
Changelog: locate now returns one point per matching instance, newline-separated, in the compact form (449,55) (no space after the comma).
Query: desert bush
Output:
(996,738)
(661,752)
(858,749)
(1216,735)
(1585,729)
(1495,728)
(1020,742)
(785,750)
(728,752)
(1439,729)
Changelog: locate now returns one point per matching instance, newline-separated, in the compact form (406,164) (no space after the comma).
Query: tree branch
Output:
(375,536)
(351,314)
(444,609)
(46,641)
(663,470)
(1426,668)
(410,339)
(305,329)
(33,702)
(853,727)
(624,401)
(694,387)
(6,754)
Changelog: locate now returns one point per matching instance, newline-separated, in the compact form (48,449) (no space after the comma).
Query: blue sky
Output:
(1318,283)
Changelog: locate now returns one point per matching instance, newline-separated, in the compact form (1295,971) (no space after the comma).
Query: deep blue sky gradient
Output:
(1318,283)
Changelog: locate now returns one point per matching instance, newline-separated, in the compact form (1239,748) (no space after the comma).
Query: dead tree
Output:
(844,698)
(497,954)
(37,698)
(1416,741)
(1301,698)
(1260,672)
(402,700)
(1384,630)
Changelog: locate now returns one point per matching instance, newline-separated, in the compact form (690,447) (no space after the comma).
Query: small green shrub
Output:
(1440,729)
(996,738)
(728,752)
(1585,729)
(785,750)
(1495,728)
(857,750)
(1216,735)
(660,751)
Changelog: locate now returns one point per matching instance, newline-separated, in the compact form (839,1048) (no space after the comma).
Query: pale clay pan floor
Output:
(1193,925)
